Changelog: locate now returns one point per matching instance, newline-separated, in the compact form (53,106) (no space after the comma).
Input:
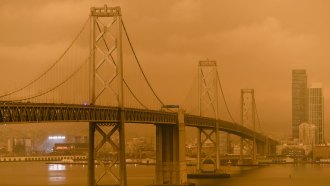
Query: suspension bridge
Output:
(99,79)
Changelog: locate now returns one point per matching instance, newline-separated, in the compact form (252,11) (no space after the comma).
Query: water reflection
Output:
(39,173)
(56,167)
(56,179)
(56,173)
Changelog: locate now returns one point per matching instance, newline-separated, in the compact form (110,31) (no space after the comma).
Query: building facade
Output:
(321,153)
(307,133)
(19,146)
(316,110)
(299,100)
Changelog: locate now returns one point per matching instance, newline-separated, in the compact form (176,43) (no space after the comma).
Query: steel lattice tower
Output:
(248,120)
(106,77)
(208,107)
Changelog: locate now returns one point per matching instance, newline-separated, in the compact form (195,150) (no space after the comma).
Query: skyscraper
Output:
(315,110)
(299,100)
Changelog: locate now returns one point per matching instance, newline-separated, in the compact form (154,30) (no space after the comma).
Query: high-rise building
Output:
(299,100)
(315,110)
(307,133)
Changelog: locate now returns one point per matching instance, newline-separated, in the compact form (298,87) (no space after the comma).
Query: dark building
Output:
(19,146)
(299,100)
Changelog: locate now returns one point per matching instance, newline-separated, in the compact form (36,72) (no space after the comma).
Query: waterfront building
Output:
(140,148)
(321,153)
(299,100)
(19,146)
(307,133)
(293,148)
(315,110)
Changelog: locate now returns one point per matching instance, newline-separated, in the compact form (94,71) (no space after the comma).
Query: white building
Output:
(307,133)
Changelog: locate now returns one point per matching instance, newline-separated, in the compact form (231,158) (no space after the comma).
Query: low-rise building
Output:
(307,133)
(321,153)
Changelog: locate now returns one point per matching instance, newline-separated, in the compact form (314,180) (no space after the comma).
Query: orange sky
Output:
(256,44)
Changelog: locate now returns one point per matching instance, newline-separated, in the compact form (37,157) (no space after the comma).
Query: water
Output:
(41,174)
(275,175)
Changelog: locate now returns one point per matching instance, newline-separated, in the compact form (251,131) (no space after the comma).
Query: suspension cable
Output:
(58,85)
(52,66)
(139,101)
(61,83)
(138,62)
(255,107)
(224,98)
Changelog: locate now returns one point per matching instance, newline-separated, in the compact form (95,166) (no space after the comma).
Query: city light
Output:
(56,167)
(56,137)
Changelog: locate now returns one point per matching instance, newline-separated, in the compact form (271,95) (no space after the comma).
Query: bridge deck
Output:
(17,112)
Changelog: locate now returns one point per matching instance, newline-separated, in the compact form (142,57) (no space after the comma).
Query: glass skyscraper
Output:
(299,100)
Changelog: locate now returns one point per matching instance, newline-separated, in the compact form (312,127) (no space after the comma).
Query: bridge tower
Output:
(248,120)
(208,139)
(106,140)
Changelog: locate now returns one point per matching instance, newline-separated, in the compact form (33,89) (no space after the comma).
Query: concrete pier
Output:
(171,155)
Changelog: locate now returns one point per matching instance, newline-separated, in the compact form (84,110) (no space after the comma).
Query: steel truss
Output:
(207,147)
(34,113)
(106,56)
(208,106)
(16,112)
(106,76)
(248,147)
(106,157)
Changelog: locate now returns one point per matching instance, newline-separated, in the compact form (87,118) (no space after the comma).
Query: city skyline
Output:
(307,105)
(303,46)
(221,86)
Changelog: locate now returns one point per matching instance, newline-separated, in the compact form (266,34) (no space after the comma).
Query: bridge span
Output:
(19,112)
(170,134)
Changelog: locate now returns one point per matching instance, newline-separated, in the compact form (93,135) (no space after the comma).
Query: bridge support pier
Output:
(208,148)
(250,147)
(266,147)
(254,152)
(241,152)
(91,155)
(171,153)
(272,149)
(248,120)
(107,148)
